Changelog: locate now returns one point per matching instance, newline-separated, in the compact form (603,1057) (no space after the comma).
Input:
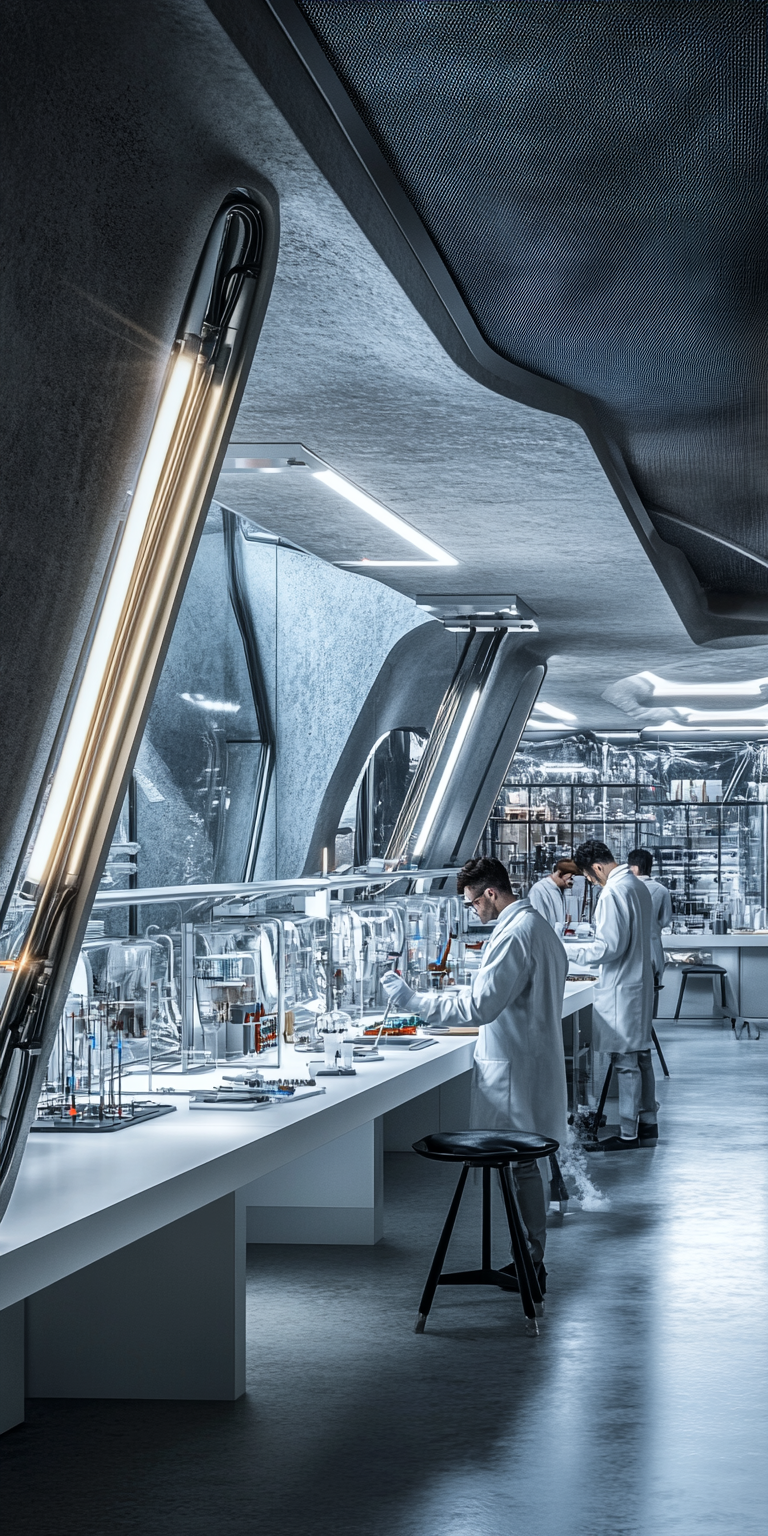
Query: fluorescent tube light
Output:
(342,487)
(557,714)
(445,777)
(111,615)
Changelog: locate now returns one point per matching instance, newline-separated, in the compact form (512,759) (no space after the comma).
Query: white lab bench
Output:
(745,958)
(122,1256)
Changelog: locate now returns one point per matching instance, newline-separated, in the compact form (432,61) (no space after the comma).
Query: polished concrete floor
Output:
(639,1411)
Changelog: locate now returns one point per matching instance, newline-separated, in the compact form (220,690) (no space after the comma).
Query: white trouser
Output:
(637,1089)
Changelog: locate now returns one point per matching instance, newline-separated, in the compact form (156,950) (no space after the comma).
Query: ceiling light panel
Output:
(666,688)
(297,495)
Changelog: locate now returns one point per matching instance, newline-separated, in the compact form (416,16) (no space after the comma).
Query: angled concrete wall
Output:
(324,636)
(123,127)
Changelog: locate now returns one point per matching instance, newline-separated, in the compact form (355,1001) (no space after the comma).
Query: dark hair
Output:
(592,852)
(483,873)
(566,867)
(642,859)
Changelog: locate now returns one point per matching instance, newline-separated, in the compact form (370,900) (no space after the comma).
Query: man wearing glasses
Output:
(622,1012)
(516,999)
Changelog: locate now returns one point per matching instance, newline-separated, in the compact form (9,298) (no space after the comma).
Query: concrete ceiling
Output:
(347,367)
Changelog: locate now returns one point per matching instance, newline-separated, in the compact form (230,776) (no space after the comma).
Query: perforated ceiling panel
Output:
(593,177)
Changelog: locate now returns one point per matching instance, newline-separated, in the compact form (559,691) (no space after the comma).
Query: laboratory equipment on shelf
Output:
(701,808)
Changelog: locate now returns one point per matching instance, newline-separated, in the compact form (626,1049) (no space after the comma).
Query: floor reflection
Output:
(640,1411)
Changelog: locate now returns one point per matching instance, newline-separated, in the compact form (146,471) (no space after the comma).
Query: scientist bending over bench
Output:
(516,999)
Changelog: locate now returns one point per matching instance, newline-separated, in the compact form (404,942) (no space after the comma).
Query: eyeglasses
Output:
(475,900)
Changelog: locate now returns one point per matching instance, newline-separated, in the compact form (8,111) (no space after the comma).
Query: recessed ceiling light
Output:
(731,716)
(663,688)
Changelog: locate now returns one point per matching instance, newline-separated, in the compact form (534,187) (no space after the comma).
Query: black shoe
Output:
(511,1273)
(648,1132)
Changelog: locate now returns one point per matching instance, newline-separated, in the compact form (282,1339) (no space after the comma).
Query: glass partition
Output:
(234,978)
(700,809)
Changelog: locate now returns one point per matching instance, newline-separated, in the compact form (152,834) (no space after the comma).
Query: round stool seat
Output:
(492,1148)
(693,967)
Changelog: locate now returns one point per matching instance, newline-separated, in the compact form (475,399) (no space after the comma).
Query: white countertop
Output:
(715,940)
(78,1198)
(578,993)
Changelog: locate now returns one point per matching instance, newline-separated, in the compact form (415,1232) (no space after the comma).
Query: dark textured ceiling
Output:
(588,180)
(593,177)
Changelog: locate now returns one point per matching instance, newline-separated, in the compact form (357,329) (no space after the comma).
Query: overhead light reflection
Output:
(216,706)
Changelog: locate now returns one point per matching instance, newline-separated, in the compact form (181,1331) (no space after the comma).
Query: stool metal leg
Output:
(486,1238)
(527,1279)
(440,1252)
(659,1053)
(683,980)
(595,1128)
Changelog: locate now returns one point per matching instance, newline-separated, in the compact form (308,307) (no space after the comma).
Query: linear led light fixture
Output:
(390,520)
(445,777)
(664,689)
(726,715)
(557,714)
(99,735)
(294,458)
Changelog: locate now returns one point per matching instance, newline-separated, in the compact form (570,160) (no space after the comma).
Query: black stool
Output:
(703,970)
(487,1150)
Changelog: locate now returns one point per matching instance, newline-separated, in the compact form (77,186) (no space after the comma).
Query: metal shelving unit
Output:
(710,854)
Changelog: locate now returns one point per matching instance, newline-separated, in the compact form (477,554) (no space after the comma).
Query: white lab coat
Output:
(662,917)
(516,998)
(622,1013)
(548,900)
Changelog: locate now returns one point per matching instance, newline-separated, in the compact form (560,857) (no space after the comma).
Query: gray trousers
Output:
(529,1188)
(637,1089)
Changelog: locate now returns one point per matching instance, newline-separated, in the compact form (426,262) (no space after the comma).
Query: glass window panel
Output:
(707,852)
(205,752)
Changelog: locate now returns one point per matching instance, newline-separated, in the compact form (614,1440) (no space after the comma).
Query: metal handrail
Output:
(253,889)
